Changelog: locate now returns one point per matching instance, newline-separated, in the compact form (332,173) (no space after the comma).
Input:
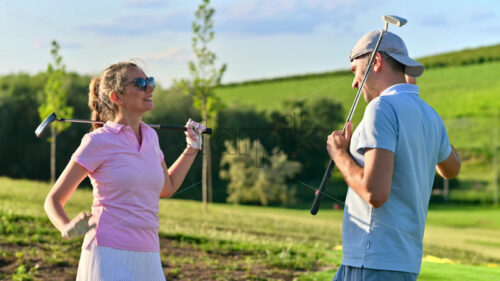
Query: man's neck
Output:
(390,80)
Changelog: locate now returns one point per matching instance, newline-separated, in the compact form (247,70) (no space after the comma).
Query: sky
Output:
(255,38)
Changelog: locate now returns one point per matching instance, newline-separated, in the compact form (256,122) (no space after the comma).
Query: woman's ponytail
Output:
(94,104)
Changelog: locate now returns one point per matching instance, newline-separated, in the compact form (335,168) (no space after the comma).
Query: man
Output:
(389,164)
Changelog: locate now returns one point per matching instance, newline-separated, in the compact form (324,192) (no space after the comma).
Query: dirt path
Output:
(181,261)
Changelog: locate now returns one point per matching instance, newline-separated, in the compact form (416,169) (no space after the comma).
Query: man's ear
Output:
(115,97)
(377,62)
(410,80)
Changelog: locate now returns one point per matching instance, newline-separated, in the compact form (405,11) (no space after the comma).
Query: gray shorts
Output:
(349,273)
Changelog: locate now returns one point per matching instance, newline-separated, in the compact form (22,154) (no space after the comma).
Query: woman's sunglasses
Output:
(142,83)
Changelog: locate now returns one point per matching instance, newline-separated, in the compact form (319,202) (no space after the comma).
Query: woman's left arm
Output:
(174,176)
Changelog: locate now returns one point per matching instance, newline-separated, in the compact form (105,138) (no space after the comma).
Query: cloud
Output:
(492,30)
(174,54)
(147,3)
(485,21)
(263,9)
(282,16)
(145,24)
(37,44)
(482,16)
(72,46)
(435,20)
(261,17)
(42,44)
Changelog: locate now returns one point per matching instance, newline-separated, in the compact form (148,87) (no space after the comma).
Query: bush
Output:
(256,176)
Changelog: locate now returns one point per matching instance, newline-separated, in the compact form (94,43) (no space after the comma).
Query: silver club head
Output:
(397,21)
(41,128)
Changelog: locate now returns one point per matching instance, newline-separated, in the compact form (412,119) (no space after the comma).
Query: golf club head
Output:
(41,128)
(395,20)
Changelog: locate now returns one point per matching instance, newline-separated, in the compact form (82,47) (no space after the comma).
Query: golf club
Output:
(53,117)
(397,21)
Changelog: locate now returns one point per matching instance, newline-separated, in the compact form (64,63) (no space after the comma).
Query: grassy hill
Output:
(463,57)
(461,86)
(232,242)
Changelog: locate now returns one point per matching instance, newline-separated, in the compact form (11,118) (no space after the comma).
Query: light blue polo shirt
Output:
(390,237)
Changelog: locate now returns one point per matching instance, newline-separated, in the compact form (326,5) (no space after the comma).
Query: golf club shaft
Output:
(79,121)
(156,126)
(331,164)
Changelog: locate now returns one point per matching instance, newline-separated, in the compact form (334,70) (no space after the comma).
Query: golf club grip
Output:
(322,188)
(181,128)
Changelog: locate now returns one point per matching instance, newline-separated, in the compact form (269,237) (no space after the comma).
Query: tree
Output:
(54,100)
(309,122)
(205,76)
(256,176)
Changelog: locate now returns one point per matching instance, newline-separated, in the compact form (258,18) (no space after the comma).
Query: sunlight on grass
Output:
(455,238)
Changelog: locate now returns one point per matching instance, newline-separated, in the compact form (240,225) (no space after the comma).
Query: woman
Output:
(126,167)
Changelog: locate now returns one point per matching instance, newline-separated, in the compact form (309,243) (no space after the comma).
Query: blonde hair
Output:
(112,79)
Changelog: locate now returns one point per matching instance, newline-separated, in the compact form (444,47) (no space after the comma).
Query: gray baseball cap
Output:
(391,44)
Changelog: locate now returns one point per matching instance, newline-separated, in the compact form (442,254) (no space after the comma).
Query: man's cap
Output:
(391,44)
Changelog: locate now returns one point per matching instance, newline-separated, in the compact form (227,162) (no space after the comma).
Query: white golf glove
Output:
(77,226)
(193,134)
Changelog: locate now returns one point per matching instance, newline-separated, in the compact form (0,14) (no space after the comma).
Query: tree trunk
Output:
(209,170)
(446,185)
(205,159)
(53,133)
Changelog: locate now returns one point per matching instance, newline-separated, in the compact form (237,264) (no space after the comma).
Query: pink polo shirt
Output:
(127,180)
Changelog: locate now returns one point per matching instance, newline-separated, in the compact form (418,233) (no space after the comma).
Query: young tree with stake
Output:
(54,100)
(205,76)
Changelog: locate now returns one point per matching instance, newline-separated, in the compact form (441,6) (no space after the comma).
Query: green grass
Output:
(276,237)
(457,272)
(476,230)
(431,272)
(466,97)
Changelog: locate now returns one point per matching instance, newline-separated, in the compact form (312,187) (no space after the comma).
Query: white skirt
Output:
(109,264)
